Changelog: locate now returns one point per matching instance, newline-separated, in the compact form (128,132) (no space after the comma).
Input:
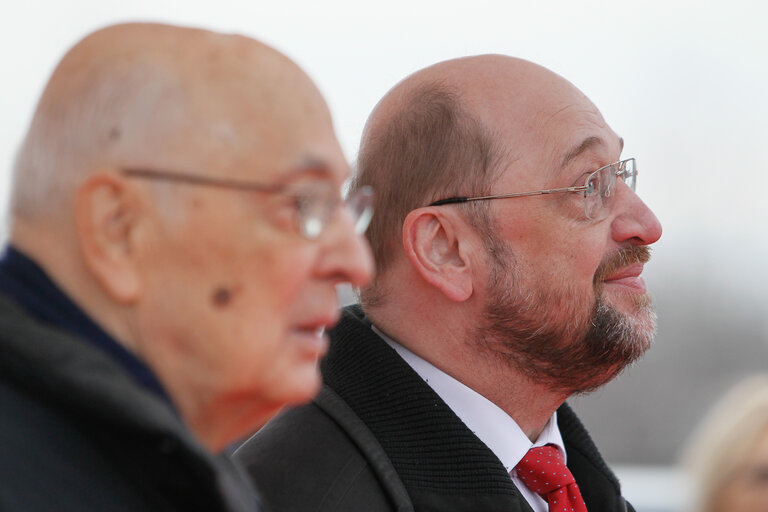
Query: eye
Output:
(583,180)
(313,209)
(287,211)
(301,202)
(592,185)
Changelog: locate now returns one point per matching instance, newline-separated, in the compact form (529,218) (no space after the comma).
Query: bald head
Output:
(451,129)
(141,95)
(500,91)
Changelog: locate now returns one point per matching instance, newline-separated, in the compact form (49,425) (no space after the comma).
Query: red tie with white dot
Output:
(544,471)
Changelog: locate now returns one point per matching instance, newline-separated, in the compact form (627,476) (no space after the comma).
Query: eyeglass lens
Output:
(319,207)
(601,186)
(360,203)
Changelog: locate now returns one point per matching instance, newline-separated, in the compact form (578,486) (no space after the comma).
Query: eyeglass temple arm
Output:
(202,180)
(453,200)
(450,200)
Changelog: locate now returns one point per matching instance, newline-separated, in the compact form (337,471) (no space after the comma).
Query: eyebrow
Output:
(308,167)
(586,144)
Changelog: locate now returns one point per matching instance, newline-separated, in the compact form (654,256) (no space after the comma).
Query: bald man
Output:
(509,257)
(177,234)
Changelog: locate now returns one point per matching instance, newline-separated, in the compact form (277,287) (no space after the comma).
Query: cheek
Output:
(570,262)
(220,304)
(559,247)
(257,302)
(250,300)
(249,269)
(225,296)
(280,275)
(290,378)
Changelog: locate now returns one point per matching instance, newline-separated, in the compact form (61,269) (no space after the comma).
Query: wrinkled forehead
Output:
(577,132)
(545,127)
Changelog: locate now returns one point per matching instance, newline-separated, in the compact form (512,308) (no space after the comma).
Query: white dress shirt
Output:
(494,427)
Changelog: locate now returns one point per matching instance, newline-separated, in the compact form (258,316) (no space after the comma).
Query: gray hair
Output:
(99,118)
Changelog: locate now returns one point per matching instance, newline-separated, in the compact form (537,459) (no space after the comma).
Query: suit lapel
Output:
(441,463)
(426,448)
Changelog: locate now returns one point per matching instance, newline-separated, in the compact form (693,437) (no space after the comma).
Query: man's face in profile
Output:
(566,302)
(232,281)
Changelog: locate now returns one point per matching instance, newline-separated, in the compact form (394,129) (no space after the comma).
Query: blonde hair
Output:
(723,440)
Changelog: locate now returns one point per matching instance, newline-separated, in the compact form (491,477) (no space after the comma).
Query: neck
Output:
(214,410)
(531,405)
(220,422)
(54,249)
(447,344)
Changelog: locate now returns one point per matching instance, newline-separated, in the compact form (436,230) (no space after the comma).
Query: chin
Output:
(303,388)
(636,306)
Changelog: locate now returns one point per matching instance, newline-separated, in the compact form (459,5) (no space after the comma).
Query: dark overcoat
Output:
(79,434)
(379,439)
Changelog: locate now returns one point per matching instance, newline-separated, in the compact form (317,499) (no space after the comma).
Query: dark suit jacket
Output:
(378,438)
(78,434)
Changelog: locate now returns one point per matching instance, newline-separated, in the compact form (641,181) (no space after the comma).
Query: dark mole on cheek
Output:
(114,133)
(222,296)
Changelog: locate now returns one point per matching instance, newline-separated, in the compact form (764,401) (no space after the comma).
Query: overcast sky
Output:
(684,82)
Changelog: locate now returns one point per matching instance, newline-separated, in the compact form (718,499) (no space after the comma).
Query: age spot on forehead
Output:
(223,295)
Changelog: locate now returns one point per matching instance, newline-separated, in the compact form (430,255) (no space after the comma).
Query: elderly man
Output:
(509,264)
(177,235)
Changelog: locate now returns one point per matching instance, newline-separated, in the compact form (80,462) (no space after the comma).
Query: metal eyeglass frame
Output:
(312,221)
(628,173)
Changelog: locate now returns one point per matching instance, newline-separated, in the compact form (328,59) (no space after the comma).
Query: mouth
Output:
(628,277)
(312,334)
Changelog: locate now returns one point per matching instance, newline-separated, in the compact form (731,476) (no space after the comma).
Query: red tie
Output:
(545,473)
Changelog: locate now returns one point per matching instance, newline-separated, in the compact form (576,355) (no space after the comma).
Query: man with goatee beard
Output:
(509,245)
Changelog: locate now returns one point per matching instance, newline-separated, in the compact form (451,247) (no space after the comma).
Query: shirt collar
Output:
(494,427)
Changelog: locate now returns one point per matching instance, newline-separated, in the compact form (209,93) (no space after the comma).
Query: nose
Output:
(346,257)
(634,222)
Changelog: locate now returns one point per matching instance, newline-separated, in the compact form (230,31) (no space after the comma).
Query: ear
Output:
(435,246)
(107,211)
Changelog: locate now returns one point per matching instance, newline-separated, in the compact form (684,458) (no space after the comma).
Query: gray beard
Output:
(557,342)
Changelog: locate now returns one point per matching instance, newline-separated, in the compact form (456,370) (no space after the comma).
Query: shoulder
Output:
(309,459)
(305,431)
(45,443)
(47,454)
(77,431)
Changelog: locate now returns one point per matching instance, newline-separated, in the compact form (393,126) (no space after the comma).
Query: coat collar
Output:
(441,463)
(90,388)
